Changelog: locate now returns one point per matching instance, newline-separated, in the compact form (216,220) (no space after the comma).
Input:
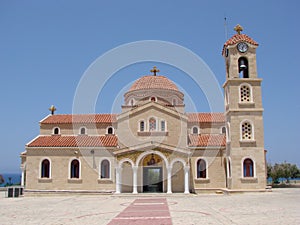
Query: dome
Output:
(154,88)
(153,82)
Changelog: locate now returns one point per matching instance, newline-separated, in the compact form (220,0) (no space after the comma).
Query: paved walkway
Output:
(146,211)
(282,206)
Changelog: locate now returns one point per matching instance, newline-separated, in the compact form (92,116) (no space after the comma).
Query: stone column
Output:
(118,180)
(169,184)
(135,169)
(186,179)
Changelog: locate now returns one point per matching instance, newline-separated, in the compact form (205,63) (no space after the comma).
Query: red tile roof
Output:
(204,140)
(153,82)
(112,118)
(87,118)
(74,141)
(206,117)
(239,38)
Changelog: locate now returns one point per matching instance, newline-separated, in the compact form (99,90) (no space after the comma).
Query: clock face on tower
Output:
(242,47)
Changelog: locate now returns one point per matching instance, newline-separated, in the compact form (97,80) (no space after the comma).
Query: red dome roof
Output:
(153,82)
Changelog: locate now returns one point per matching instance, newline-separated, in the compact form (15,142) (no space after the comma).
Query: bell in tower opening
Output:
(243,68)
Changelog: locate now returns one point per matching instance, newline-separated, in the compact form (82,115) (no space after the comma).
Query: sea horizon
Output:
(11,179)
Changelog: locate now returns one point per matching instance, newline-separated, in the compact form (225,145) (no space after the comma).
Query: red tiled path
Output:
(145,212)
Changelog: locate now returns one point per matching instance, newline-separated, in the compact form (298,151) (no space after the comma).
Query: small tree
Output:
(295,172)
(290,171)
(282,170)
(276,172)
(286,171)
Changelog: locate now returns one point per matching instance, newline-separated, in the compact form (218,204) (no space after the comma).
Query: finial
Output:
(238,28)
(52,109)
(154,70)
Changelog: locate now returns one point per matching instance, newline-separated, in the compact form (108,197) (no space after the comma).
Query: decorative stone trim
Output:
(247,180)
(75,181)
(153,133)
(45,180)
(246,104)
(202,181)
(247,143)
(105,181)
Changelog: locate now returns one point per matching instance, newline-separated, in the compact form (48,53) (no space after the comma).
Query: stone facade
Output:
(153,145)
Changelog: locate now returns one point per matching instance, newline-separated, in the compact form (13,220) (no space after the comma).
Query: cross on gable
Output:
(238,28)
(52,109)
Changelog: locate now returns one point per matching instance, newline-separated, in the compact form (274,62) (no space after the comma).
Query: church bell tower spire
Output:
(245,152)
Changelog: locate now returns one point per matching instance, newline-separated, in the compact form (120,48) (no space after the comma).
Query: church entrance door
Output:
(152,179)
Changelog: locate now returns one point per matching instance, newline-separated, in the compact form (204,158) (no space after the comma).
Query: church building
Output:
(154,145)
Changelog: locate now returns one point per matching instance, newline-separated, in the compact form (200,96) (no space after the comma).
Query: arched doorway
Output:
(152,173)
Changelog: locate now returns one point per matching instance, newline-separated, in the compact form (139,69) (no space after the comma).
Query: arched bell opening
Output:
(243,68)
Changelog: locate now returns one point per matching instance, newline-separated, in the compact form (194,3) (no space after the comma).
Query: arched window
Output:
(105,169)
(83,130)
(174,101)
(56,130)
(110,130)
(142,126)
(153,99)
(245,93)
(247,131)
(243,67)
(248,168)
(223,130)
(74,173)
(201,169)
(152,124)
(132,102)
(45,169)
(195,130)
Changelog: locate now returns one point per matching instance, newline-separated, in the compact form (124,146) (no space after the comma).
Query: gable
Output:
(160,124)
(151,107)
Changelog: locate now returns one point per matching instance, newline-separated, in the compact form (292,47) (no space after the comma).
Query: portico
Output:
(152,170)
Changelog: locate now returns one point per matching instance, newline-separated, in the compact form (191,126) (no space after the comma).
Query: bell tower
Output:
(245,154)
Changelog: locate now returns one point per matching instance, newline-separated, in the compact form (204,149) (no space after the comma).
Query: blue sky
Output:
(46,46)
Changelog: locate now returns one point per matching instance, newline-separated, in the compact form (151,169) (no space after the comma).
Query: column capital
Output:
(169,168)
(135,168)
(187,168)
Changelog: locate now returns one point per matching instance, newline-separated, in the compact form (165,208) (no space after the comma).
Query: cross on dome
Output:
(154,70)
(238,28)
